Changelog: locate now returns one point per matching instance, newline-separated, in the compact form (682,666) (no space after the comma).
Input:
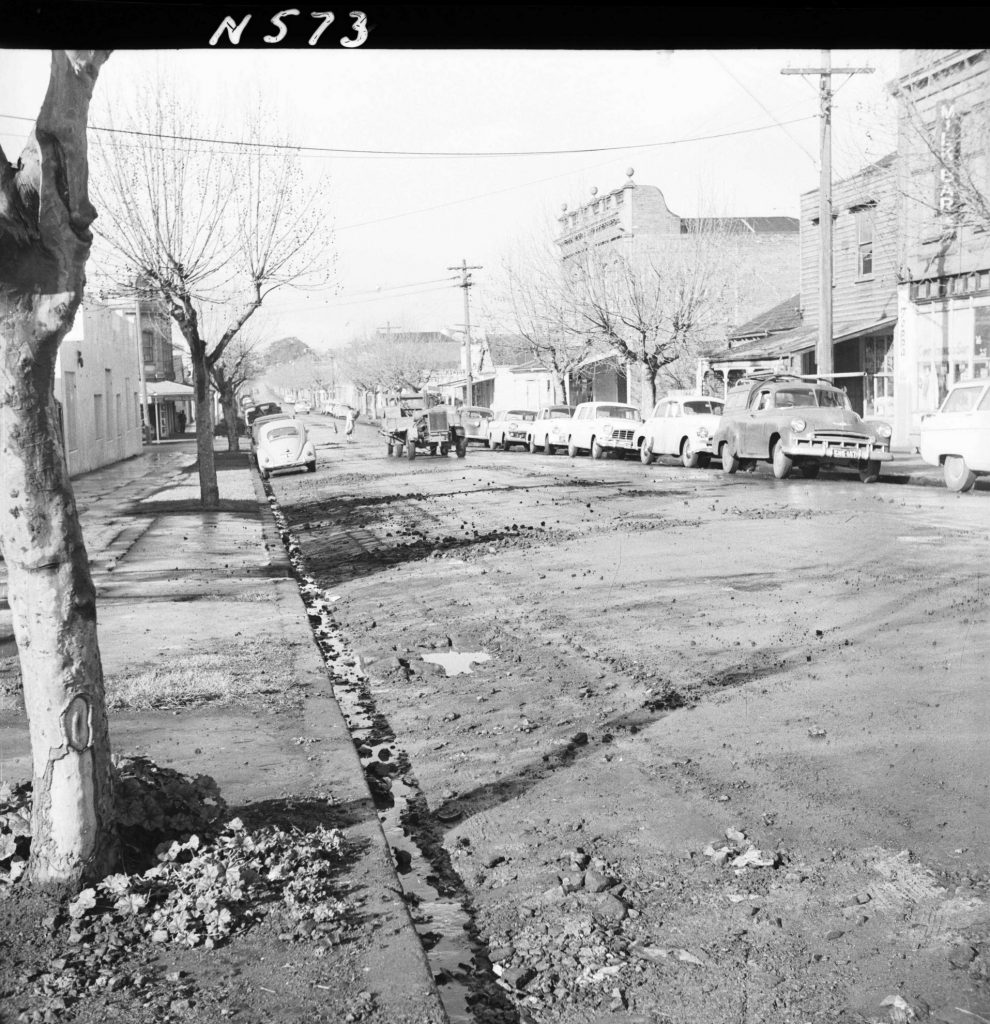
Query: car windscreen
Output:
(699,407)
(963,399)
(830,399)
(287,431)
(520,414)
(561,414)
(617,412)
(787,398)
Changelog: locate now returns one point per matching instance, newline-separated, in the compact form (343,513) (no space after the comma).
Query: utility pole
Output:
(824,352)
(466,283)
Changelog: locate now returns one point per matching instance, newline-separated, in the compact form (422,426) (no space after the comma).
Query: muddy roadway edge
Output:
(615,861)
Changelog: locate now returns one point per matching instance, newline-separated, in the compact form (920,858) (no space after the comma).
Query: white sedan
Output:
(508,428)
(541,427)
(683,427)
(599,427)
(957,437)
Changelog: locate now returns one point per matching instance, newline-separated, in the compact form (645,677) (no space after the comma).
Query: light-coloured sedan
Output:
(540,428)
(600,427)
(283,444)
(509,428)
(681,426)
(957,437)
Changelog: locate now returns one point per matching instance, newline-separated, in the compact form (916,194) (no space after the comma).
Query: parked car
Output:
(599,427)
(261,409)
(304,408)
(508,428)
(281,443)
(682,426)
(539,429)
(957,437)
(476,419)
(790,421)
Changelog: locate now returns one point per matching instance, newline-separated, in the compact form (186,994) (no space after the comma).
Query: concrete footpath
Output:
(182,593)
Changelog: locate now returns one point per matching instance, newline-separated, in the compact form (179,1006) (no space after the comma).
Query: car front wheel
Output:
(958,476)
(571,449)
(689,457)
(597,451)
(782,462)
(730,461)
(548,448)
(646,455)
(869,472)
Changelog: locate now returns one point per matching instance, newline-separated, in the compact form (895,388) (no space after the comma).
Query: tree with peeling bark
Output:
(657,306)
(238,364)
(45,241)
(222,225)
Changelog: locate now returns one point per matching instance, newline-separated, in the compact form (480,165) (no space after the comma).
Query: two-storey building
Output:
(864,297)
(943,332)
(759,256)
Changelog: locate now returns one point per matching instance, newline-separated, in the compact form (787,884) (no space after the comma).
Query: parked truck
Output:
(415,421)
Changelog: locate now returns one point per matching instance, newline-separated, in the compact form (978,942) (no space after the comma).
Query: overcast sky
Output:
(716,130)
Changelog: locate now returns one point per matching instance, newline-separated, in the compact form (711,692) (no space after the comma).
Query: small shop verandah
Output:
(862,357)
(168,409)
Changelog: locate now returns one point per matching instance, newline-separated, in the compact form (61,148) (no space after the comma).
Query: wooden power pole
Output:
(466,283)
(824,352)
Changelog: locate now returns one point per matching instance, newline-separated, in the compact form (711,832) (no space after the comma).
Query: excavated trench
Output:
(439,904)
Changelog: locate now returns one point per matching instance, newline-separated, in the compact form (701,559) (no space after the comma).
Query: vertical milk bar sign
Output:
(285,25)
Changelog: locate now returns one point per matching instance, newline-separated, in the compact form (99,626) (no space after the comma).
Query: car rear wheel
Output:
(809,470)
(571,448)
(265,474)
(445,448)
(869,472)
(311,466)
(460,449)
(689,457)
(433,449)
(548,448)
(410,450)
(533,447)
(388,449)
(958,476)
(646,455)
(597,451)
(730,461)
(782,462)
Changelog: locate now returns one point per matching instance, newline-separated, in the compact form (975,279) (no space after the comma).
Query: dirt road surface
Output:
(720,753)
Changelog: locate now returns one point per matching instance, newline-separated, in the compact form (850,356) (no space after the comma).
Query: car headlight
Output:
(884,431)
(798,425)
(702,432)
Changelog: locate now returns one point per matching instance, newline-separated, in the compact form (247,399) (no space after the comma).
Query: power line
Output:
(444,154)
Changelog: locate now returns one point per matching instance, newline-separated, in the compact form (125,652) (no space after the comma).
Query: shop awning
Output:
(169,391)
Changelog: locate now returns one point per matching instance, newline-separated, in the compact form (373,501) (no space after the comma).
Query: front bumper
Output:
(838,449)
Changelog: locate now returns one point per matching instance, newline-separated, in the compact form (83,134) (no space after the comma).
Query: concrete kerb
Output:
(400,953)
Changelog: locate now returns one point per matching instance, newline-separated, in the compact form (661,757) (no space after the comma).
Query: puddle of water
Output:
(457,663)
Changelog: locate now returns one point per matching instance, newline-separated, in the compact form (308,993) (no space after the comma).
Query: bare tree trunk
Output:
(209,492)
(44,230)
(228,403)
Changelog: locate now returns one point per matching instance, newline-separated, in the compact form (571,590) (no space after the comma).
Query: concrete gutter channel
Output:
(432,890)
